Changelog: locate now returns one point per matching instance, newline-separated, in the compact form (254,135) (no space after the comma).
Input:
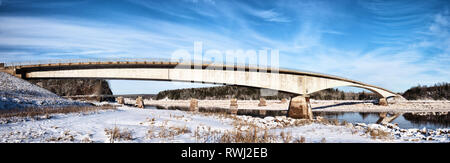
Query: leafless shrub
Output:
(249,136)
(116,134)
(181,130)
(286,137)
(46,112)
(323,140)
(300,140)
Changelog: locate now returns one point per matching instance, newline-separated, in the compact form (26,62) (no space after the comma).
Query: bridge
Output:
(301,83)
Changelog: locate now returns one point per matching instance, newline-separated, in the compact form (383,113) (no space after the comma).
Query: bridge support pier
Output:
(299,107)
(193,105)
(120,100)
(262,102)
(382,102)
(140,102)
(233,106)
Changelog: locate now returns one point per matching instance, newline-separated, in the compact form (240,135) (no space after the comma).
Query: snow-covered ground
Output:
(16,93)
(154,125)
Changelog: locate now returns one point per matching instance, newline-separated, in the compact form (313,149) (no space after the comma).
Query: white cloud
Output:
(271,16)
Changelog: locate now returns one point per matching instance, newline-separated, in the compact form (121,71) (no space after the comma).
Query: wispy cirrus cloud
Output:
(271,16)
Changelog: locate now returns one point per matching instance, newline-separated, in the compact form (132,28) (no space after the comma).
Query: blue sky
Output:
(392,44)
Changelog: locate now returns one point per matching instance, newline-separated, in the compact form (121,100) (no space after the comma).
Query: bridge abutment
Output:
(299,107)
(193,105)
(140,102)
(233,106)
(262,102)
(382,101)
(120,100)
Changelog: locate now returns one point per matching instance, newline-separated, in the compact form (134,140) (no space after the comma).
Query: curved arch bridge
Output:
(297,82)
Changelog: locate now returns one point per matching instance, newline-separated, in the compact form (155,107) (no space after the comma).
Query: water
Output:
(405,120)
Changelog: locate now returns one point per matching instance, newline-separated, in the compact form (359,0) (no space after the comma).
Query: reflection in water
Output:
(364,115)
(406,120)
(385,118)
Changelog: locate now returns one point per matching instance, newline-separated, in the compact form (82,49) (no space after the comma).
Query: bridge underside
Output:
(297,84)
(300,83)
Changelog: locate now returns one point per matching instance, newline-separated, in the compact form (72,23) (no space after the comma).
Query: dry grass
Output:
(286,137)
(300,140)
(378,134)
(249,136)
(116,134)
(46,112)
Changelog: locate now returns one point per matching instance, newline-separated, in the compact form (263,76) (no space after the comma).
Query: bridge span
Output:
(297,82)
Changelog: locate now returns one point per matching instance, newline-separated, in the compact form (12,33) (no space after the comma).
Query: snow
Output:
(83,127)
(16,93)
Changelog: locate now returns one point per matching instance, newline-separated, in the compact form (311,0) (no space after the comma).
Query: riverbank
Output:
(130,124)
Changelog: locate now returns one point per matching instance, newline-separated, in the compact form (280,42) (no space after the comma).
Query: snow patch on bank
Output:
(16,93)
(154,125)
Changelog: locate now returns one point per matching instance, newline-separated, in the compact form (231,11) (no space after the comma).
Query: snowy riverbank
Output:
(16,93)
(317,105)
(154,125)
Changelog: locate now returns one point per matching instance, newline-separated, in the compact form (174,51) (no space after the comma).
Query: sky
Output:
(391,44)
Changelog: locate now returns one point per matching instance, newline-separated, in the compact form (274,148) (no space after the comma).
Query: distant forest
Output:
(249,93)
(440,91)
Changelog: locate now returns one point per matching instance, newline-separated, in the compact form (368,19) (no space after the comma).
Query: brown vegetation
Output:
(75,87)
(118,134)
(46,112)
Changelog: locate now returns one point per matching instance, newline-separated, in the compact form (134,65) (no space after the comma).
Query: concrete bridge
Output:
(297,82)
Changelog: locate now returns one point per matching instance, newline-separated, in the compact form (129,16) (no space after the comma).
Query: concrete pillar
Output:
(262,113)
(140,102)
(233,106)
(120,100)
(262,102)
(193,105)
(283,101)
(299,108)
(382,102)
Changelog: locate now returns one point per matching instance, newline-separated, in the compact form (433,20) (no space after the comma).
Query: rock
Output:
(349,125)
(269,118)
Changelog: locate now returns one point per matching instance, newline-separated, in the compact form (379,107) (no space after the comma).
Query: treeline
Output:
(74,87)
(439,91)
(249,93)
(218,93)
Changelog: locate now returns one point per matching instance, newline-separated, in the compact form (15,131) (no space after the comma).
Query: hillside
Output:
(16,93)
